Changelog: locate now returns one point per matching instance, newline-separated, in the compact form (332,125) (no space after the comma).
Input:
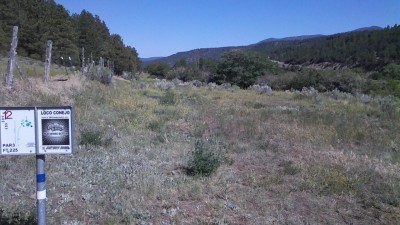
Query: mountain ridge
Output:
(214,53)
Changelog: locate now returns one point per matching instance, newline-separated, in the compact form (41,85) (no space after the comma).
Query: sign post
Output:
(37,131)
(41,189)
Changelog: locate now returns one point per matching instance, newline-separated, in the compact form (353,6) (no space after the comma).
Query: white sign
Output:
(55,130)
(17,133)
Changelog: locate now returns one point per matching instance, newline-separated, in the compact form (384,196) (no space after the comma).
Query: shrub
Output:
(165,85)
(203,160)
(102,74)
(261,89)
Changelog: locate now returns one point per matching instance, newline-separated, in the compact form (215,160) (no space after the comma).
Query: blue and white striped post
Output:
(40,179)
(41,189)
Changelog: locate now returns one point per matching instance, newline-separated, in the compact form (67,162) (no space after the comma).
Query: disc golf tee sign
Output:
(24,127)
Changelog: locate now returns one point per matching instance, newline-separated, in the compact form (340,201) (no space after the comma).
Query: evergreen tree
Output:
(42,20)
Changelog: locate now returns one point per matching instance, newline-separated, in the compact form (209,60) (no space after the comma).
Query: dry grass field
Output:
(284,158)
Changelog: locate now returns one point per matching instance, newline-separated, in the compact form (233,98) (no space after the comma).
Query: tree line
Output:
(239,68)
(42,20)
(246,68)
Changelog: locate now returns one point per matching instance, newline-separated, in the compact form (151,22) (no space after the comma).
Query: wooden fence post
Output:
(11,59)
(83,60)
(47,61)
(101,62)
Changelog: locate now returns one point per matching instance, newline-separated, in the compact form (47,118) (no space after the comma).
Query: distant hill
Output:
(368,47)
(368,28)
(149,59)
(194,55)
(215,53)
(295,38)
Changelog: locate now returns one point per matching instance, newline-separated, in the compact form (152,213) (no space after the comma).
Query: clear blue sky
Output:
(165,27)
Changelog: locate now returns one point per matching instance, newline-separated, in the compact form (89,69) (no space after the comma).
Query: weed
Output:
(159,139)
(4,166)
(17,218)
(266,145)
(391,199)
(155,125)
(396,156)
(199,131)
(381,189)
(267,181)
(265,114)
(94,137)
(169,98)
(289,169)
(45,100)
(255,105)
(332,180)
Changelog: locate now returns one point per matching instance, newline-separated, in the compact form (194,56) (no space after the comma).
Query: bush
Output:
(261,89)
(102,74)
(241,68)
(164,85)
(203,160)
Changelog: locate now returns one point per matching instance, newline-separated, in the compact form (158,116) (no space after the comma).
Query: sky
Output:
(157,28)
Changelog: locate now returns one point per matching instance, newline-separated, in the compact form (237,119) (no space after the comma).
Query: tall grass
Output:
(274,158)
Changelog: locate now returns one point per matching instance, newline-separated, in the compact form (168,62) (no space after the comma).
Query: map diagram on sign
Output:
(25,124)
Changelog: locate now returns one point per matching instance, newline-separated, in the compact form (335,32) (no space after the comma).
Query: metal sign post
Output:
(41,189)
(37,131)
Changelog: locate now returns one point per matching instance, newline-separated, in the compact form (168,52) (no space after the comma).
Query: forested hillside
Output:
(368,49)
(41,20)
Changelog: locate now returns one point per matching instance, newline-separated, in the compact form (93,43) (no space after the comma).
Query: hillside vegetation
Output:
(369,49)
(202,155)
(43,20)
(362,61)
